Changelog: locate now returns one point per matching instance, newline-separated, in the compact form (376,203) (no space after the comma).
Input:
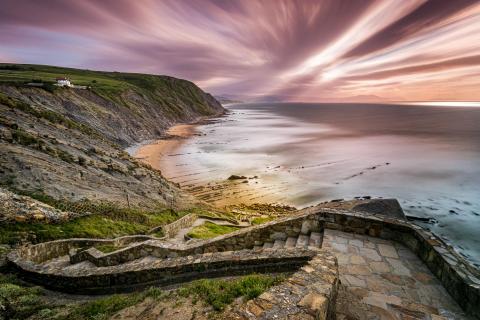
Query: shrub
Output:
(65,156)
(81,160)
(24,138)
(50,87)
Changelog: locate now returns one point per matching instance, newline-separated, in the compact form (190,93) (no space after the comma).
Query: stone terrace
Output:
(383,279)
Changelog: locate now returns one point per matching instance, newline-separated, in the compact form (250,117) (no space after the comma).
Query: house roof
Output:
(62,78)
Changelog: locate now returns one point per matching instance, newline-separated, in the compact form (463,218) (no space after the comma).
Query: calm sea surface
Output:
(427,157)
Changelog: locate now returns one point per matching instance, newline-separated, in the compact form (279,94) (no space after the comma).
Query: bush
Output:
(24,138)
(50,87)
(65,156)
(81,160)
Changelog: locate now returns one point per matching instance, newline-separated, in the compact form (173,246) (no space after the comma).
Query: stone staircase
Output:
(385,267)
(302,241)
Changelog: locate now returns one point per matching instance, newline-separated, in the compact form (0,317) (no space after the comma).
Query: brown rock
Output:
(315,303)
(20,218)
(254,309)
(423,277)
(38,215)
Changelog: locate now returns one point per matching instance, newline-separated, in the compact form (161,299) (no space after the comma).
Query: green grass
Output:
(106,221)
(220,293)
(107,248)
(18,301)
(105,307)
(262,220)
(210,230)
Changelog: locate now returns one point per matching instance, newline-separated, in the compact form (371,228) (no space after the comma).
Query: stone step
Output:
(302,241)
(257,247)
(315,239)
(267,245)
(291,242)
(278,244)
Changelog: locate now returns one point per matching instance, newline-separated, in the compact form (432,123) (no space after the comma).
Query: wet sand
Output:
(153,153)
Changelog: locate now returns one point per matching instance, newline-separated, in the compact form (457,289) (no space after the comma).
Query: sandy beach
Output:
(153,152)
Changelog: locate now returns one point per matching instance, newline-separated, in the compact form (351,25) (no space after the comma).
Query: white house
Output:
(64,82)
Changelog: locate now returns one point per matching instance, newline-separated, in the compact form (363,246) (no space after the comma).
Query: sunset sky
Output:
(328,50)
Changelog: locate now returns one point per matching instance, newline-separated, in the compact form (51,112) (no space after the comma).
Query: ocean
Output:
(428,157)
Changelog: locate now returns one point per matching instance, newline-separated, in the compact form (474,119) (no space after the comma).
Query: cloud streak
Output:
(291,50)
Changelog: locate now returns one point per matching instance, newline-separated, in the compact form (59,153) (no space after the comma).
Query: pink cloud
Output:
(292,50)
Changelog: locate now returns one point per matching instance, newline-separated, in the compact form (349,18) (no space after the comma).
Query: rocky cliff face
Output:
(68,143)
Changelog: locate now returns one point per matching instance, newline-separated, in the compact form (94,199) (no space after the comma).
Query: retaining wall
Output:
(310,293)
(173,228)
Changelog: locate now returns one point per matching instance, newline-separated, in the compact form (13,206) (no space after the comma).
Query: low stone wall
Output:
(170,230)
(309,293)
(49,250)
(161,272)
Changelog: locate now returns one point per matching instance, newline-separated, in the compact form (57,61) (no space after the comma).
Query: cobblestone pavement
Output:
(382,279)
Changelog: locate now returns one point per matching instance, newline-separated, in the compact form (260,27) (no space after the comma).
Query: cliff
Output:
(67,143)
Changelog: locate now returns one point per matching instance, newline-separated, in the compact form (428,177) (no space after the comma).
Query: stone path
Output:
(383,279)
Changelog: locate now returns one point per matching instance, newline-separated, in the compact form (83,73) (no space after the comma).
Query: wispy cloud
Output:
(294,50)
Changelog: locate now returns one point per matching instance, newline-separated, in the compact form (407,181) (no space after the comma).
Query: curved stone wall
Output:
(162,272)
(242,239)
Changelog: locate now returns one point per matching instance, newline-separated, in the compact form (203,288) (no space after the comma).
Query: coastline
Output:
(152,151)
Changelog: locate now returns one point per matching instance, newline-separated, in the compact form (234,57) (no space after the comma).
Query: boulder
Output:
(387,207)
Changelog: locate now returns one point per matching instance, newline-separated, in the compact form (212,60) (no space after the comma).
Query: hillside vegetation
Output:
(125,107)
(68,144)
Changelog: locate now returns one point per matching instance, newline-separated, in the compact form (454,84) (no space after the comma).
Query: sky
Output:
(318,50)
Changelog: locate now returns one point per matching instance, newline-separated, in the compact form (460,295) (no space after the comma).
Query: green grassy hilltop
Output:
(109,85)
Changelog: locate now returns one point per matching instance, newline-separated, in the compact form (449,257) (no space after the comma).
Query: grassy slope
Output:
(210,230)
(110,85)
(21,302)
(107,221)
